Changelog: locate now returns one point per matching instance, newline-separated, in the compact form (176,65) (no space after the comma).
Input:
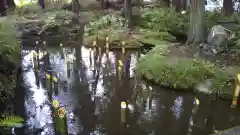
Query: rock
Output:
(218,38)
(204,87)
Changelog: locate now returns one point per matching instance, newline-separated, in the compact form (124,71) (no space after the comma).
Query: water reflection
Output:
(38,112)
(92,88)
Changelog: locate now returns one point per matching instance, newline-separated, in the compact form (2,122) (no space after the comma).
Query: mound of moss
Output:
(181,73)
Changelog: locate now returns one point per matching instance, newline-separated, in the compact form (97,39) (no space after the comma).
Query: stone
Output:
(204,87)
(218,38)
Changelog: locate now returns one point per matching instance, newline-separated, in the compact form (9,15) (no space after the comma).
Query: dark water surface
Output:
(94,89)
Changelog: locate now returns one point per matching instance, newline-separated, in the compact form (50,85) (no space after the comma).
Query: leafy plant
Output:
(112,21)
(12,121)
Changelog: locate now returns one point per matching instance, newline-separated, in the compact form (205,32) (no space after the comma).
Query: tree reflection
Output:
(186,114)
(165,119)
(123,92)
(85,107)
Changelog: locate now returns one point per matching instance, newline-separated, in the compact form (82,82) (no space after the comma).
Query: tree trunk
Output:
(41,3)
(186,115)
(166,2)
(228,7)
(196,28)
(75,6)
(102,3)
(10,3)
(2,8)
(177,4)
(128,12)
(184,4)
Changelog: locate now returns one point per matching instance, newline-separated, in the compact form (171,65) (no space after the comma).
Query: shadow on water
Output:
(92,89)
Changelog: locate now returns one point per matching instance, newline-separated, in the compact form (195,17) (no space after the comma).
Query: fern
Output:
(12,121)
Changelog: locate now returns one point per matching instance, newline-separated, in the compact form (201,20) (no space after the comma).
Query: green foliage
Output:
(10,57)
(164,19)
(12,121)
(109,21)
(9,42)
(183,73)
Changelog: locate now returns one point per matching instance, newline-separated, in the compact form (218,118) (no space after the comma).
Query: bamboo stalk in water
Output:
(60,119)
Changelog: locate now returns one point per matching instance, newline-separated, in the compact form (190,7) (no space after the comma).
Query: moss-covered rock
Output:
(183,73)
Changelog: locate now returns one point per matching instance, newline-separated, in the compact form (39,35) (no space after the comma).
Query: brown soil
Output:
(230,58)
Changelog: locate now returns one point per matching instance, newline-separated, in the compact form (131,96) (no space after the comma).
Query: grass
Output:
(185,74)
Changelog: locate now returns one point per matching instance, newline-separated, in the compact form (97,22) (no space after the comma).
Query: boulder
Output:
(204,87)
(218,38)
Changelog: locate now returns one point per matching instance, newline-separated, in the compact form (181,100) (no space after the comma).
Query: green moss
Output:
(184,73)
(154,37)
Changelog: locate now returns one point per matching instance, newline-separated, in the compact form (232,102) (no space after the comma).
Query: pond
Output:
(92,89)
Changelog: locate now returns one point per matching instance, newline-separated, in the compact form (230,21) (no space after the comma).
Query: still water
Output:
(92,89)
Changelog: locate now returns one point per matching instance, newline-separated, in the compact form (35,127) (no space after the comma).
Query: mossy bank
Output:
(165,67)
